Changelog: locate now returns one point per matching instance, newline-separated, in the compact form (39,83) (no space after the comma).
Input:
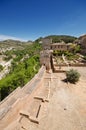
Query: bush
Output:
(1,68)
(72,76)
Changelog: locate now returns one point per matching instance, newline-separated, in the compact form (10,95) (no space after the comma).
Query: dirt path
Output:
(62,110)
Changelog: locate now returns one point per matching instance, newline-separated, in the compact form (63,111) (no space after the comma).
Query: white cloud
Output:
(5,37)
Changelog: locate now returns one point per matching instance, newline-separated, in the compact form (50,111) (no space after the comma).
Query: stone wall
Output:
(13,100)
(45,59)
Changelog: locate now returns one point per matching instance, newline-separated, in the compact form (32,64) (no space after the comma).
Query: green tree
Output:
(22,68)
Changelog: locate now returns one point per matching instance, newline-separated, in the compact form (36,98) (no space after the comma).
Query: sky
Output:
(31,19)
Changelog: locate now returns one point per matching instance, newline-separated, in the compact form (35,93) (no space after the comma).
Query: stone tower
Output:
(45,57)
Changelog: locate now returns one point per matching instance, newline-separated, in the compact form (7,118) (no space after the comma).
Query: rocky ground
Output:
(6,66)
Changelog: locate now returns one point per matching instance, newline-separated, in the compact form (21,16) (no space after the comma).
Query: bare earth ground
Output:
(66,109)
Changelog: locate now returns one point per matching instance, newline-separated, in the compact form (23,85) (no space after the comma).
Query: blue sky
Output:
(30,19)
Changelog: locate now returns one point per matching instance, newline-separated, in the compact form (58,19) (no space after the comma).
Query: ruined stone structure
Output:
(60,46)
(48,45)
(48,48)
(45,57)
(82,42)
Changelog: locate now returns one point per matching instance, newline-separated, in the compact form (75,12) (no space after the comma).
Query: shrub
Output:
(1,68)
(72,76)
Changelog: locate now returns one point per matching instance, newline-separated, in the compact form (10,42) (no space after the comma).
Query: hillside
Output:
(20,63)
(59,38)
(13,44)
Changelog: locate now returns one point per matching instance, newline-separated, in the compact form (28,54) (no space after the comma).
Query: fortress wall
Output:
(34,81)
(28,89)
(9,97)
(17,91)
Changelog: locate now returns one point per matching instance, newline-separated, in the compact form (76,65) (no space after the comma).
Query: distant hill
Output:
(14,44)
(59,38)
(20,44)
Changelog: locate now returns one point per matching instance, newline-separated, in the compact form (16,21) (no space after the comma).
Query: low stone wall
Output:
(60,68)
(55,65)
(59,71)
(75,65)
(59,65)
(78,65)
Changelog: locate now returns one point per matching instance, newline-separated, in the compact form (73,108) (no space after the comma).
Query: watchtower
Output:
(45,57)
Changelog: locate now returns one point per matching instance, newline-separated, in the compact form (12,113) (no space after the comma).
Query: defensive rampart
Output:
(13,100)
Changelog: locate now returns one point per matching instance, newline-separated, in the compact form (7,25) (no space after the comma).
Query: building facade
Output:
(57,46)
(60,46)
